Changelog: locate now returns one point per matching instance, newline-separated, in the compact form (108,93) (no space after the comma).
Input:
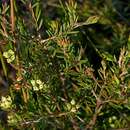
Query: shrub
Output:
(61,72)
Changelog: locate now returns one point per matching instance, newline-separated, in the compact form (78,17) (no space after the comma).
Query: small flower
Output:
(72,102)
(35,88)
(39,82)
(11,52)
(41,86)
(112,125)
(5,54)
(72,106)
(114,117)
(46,87)
(73,109)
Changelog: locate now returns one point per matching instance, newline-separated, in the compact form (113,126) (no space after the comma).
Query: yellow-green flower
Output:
(72,102)
(39,82)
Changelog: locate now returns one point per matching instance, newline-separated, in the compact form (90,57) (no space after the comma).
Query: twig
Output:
(32,121)
(12,16)
(75,125)
(94,118)
(97,110)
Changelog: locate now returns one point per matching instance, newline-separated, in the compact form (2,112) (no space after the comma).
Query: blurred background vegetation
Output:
(65,64)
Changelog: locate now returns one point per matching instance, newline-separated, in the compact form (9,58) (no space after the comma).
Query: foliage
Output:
(67,72)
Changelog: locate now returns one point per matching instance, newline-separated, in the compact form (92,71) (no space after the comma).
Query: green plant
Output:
(57,84)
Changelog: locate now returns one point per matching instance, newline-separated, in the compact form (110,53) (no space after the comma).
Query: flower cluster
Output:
(9,55)
(72,106)
(38,85)
(112,120)
(6,102)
